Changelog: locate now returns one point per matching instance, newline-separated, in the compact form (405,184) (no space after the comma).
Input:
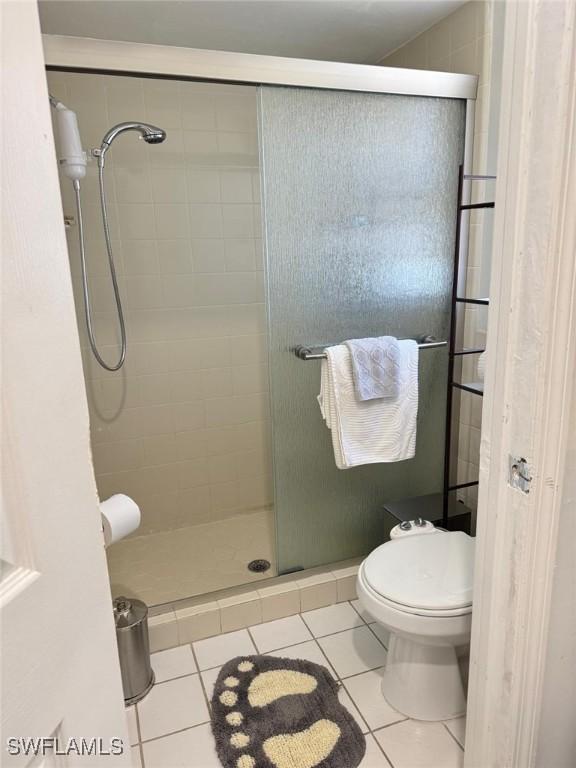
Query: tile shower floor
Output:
(170,727)
(171,565)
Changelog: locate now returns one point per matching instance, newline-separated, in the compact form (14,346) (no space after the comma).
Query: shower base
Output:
(186,562)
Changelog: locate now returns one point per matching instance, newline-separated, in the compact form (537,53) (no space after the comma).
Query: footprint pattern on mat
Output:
(269,712)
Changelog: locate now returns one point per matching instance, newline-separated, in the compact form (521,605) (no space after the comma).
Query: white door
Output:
(522,674)
(60,672)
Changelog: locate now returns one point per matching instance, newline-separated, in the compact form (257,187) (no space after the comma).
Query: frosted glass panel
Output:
(359,201)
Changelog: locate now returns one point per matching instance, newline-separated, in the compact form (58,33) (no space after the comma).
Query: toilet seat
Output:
(426,575)
(408,610)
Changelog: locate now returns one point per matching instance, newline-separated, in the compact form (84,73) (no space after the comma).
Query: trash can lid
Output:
(128,611)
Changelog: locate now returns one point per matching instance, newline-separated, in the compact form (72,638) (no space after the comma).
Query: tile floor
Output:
(170,727)
(171,565)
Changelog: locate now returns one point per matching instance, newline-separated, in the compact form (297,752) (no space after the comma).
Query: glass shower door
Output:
(359,192)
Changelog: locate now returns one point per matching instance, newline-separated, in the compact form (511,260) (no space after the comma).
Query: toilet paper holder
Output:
(120,517)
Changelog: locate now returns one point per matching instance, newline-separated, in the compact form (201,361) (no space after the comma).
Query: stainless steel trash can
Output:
(131,619)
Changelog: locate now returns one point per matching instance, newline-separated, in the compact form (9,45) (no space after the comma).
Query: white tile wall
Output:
(462,42)
(184,427)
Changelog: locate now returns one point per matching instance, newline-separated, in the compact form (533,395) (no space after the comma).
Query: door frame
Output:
(529,383)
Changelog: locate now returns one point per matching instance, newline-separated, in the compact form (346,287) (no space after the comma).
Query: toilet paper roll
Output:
(481,366)
(120,516)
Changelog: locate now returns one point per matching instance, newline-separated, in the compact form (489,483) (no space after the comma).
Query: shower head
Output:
(150,133)
(154,135)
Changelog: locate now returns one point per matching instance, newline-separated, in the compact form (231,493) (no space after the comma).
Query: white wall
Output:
(468,41)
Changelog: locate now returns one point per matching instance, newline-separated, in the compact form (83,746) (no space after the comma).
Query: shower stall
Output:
(291,203)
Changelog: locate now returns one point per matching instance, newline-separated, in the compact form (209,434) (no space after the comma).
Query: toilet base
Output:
(423,681)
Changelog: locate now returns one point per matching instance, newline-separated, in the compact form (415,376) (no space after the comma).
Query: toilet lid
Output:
(432,571)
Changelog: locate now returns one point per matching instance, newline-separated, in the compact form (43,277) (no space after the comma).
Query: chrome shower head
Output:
(150,133)
(154,135)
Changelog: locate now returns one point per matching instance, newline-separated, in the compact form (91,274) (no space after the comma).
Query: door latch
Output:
(519,475)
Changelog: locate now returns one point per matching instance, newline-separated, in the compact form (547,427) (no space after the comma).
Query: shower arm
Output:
(149,133)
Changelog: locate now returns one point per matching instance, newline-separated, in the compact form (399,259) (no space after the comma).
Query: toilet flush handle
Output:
(413,528)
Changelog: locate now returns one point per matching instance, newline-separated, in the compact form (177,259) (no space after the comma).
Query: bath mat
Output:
(270,712)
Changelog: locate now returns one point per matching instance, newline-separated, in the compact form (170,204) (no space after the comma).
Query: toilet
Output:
(418,586)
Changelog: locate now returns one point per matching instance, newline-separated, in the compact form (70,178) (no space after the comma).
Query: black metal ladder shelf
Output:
(443,508)
(453,353)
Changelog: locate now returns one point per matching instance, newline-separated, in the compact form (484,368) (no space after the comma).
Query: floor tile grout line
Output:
(186,674)
(336,632)
(301,615)
(338,679)
(339,631)
(201,680)
(454,737)
(364,671)
(374,731)
(142,741)
(176,677)
(141,753)
(357,611)
(218,666)
(376,636)
(139,735)
(315,639)
(324,655)
(357,674)
(331,634)
(173,733)
(332,605)
(381,748)
(353,700)
(293,645)
(284,647)
(252,638)
(138,729)
(402,719)
(139,732)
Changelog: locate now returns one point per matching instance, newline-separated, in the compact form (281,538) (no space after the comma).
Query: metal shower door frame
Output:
(118,57)
(114,57)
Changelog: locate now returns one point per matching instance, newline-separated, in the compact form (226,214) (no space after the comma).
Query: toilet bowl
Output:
(419,587)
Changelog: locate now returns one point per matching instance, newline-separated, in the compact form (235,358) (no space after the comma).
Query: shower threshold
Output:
(186,562)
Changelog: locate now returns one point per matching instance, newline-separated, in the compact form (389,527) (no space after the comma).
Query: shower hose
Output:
(85,289)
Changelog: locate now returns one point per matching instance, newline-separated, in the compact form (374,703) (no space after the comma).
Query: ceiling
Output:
(356,31)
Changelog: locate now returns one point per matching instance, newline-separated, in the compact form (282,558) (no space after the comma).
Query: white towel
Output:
(375,366)
(373,431)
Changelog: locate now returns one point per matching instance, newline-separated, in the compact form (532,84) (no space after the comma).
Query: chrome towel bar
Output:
(318,353)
